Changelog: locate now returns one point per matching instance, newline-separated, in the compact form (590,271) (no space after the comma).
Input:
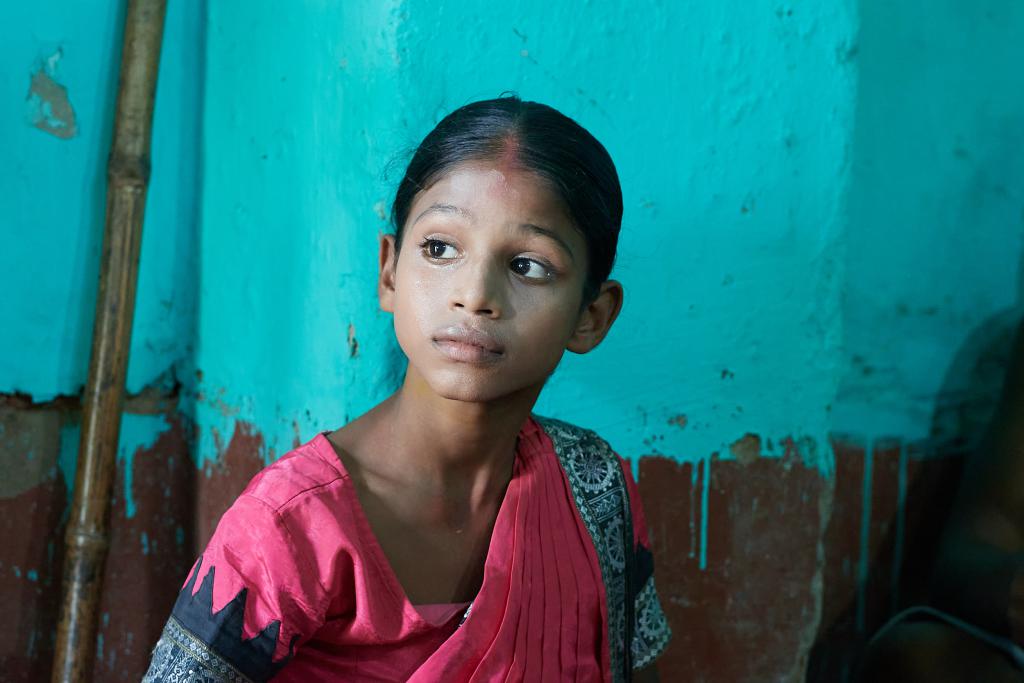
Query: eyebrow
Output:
(550,234)
(452,210)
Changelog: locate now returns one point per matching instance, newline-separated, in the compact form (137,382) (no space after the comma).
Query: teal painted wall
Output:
(935,242)
(821,205)
(54,189)
(733,148)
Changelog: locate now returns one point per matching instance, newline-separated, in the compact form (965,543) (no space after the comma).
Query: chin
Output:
(470,383)
(455,386)
(476,385)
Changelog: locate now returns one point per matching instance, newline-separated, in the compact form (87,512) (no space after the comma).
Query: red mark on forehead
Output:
(506,164)
(508,160)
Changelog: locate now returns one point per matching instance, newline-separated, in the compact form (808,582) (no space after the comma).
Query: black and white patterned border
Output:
(652,632)
(180,657)
(591,468)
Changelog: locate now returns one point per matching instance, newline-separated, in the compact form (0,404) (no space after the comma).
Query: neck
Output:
(455,446)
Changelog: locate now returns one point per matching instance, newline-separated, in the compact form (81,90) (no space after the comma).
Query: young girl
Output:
(448,534)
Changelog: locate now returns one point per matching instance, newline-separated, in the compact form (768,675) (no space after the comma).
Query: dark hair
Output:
(544,141)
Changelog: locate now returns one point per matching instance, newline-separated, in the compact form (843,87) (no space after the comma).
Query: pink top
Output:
(439,614)
(298,543)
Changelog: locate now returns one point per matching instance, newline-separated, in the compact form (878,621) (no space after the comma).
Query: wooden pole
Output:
(127,178)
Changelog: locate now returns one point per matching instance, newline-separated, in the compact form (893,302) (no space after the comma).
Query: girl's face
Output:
(487,289)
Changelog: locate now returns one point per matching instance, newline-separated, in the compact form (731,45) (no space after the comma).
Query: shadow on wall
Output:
(970,388)
(936,175)
(906,529)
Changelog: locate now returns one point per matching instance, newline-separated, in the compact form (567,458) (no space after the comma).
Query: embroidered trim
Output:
(598,488)
(221,630)
(652,632)
(180,657)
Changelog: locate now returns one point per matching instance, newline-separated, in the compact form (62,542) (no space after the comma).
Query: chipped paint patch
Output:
(353,343)
(747,448)
(216,400)
(28,449)
(48,105)
(679,421)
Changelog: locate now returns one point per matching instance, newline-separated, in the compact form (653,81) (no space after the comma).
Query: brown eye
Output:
(530,269)
(436,249)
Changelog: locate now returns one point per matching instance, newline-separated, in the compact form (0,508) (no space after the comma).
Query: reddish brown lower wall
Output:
(765,575)
(750,613)
(792,587)
(149,553)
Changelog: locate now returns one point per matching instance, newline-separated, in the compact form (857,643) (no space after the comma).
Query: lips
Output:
(468,344)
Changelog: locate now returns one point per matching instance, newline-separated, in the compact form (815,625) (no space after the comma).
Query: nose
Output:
(477,289)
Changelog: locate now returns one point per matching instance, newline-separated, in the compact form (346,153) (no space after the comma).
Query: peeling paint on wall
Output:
(48,105)
(746,449)
(28,449)
(353,343)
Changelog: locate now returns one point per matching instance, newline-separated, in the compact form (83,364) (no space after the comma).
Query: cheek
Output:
(551,324)
(419,294)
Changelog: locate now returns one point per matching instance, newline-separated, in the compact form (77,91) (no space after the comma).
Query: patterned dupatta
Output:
(637,629)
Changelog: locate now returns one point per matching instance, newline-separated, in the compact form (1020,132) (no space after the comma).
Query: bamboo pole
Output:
(87,536)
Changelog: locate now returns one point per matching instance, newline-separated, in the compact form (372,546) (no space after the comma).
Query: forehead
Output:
(483,188)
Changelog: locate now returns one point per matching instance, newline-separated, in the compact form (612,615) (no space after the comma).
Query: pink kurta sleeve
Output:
(253,597)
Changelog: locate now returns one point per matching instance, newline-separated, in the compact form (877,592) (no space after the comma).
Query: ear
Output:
(597,318)
(388,258)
